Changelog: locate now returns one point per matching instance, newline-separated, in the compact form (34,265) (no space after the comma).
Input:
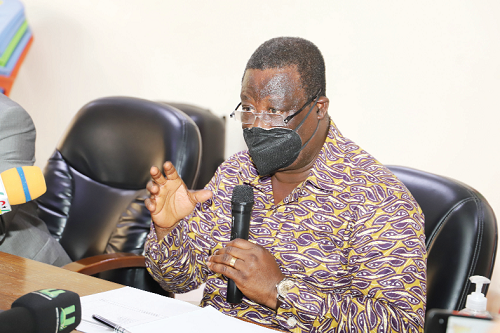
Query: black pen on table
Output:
(115,327)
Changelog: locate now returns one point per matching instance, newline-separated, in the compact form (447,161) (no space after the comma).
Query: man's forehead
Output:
(279,85)
(275,84)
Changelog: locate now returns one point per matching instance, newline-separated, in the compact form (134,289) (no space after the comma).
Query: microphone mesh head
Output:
(242,193)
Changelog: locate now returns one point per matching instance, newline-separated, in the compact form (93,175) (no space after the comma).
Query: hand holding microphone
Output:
(249,266)
(20,185)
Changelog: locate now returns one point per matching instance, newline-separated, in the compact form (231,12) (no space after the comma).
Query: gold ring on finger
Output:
(232,261)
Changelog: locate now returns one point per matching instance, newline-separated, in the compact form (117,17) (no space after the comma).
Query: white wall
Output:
(415,83)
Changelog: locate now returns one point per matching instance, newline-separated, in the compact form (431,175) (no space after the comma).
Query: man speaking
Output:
(336,241)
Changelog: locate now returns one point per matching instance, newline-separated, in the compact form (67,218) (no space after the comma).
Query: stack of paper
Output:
(139,311)
(15,41)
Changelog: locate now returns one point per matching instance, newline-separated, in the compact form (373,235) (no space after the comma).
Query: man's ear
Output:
(322,103)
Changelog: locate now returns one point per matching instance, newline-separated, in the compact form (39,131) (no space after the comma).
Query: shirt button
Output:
(291,322)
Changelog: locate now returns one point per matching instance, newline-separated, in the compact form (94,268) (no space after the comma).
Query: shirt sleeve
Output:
(383,289)
(17,135)
(178,261)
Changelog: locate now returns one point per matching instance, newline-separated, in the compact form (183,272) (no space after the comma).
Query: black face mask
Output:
(276,148)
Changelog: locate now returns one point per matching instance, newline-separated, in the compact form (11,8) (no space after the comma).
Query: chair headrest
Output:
(116,140)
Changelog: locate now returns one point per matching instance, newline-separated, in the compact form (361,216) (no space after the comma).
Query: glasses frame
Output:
(290,117)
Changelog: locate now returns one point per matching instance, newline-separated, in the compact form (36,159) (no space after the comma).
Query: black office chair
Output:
(213,137)
(96,179)
(461,235)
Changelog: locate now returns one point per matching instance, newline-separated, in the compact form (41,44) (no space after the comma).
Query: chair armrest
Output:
(105,262)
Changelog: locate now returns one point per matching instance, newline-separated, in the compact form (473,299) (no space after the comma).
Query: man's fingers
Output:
(241,244)
(170,171)
(157,176)
(225,270)
(152,187)
(226,259)
(230,251)
(150,204)
(201,195)
(170,174)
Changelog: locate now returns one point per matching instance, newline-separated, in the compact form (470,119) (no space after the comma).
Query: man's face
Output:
(279,90)
(274,90)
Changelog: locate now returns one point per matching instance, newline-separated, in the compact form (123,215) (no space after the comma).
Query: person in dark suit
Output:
(22,232)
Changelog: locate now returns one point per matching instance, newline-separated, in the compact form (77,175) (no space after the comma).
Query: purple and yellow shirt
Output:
(351,237)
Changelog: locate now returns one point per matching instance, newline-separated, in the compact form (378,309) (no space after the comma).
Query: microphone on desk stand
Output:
(20,185)
(241,211)
(42,311)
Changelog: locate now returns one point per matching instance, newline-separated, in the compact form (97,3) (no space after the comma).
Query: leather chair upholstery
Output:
(461,235)
(213,137)
(97,176)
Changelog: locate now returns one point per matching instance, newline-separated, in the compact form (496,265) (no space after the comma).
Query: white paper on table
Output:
(129,307)
(207,320)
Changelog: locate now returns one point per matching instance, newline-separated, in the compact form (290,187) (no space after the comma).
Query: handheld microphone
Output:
(241,210)
(20,185)
(42,311)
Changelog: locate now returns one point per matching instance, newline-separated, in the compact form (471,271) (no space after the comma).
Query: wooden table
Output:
(19,276)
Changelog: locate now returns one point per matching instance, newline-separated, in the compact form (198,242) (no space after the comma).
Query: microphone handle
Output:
(17,320)
(241,213)
(234,295)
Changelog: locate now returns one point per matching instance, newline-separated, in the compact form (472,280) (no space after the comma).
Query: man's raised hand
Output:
(170,199)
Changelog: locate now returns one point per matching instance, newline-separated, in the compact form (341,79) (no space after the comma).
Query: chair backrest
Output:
(461,235)
(213,138)
(97,175)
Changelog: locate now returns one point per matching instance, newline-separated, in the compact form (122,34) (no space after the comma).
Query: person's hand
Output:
(170,200)
(255,271)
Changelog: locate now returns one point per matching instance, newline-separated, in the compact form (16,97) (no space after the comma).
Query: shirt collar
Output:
(330,159)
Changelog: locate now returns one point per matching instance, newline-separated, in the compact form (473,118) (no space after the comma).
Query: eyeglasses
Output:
(248,117)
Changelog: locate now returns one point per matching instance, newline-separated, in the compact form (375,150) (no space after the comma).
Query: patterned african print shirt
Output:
(351,237)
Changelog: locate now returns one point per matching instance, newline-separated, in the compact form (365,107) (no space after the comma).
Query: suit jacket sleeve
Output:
(17,135)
